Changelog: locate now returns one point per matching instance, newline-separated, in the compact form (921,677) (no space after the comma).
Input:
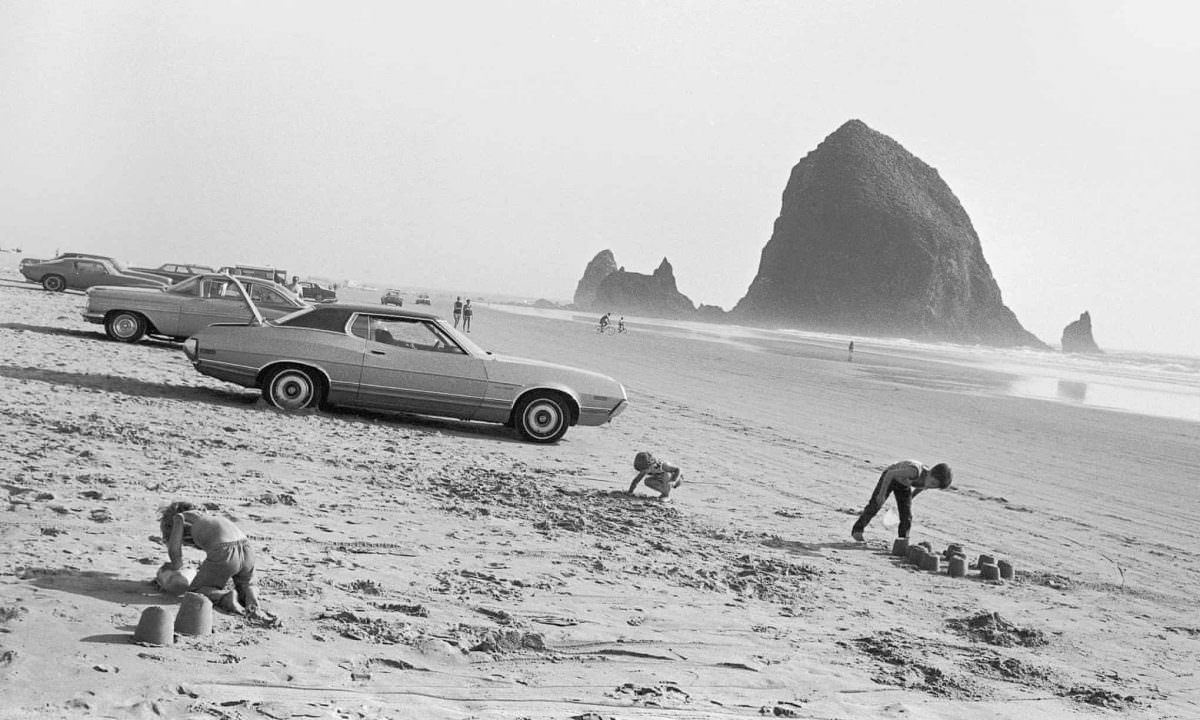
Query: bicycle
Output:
(606,329)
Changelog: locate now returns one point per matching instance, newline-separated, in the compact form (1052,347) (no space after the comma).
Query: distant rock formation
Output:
(601,266)
(1077,336)
(871,240)
(633,293)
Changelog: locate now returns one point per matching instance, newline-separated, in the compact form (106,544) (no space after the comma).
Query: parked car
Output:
(423,299)
(185,308)
(176,271)
(392,359)
(316,293)
(80,273)
(392,297)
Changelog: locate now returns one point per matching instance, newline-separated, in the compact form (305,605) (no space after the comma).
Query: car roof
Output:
(388,310)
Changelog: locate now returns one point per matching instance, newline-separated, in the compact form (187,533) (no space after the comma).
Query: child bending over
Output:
(904,479)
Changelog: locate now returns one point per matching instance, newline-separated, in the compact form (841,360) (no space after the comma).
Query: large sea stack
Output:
(870,240)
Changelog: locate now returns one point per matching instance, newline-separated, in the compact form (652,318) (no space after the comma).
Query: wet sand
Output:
(428,568)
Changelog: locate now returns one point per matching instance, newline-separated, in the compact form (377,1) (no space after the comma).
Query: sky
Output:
(496,147)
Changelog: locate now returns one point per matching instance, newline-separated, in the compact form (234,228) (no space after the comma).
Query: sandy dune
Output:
(425,568)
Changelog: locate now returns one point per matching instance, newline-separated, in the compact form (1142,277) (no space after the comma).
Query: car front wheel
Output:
(292,389)
(125,326)
(543,418)
(54,283)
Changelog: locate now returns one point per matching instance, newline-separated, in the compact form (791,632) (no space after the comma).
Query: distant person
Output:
(604,321)
(903,479)
(228,556)
(658,474)
(458,309)
(467,312)
(851,357)
(621,324)
(294,285)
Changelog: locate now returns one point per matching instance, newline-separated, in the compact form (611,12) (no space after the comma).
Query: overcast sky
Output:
(497,147)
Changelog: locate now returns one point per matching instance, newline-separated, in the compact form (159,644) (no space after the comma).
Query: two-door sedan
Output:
(183,309)
(79,271)
(388,358)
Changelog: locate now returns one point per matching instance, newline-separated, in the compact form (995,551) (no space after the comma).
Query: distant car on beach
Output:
(316,293)
(392,359)
(175,312)
(423,299)
(176,271)
(78,272)
(392,297)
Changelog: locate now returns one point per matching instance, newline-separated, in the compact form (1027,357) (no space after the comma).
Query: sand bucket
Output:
(952,550)
(986,560)
(958,566)
(154,627)
(927,545)
(195,615)
(900,547)
(931,562)
(914,554)
(989,571)
(174,582)
(1006,570)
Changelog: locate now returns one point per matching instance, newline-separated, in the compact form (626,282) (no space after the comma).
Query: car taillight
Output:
(191,348)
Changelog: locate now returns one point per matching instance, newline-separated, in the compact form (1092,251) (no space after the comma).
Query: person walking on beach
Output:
(658,474)
(621,325)
(457,310)
(466,315)
(903,479)
(228,556)
(851,358)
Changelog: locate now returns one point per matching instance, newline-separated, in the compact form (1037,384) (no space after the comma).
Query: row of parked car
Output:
(252,331)
(80,271)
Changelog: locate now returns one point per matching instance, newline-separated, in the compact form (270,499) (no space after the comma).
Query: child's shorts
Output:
(227,560)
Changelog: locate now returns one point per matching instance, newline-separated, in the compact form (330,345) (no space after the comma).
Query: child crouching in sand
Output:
(228,556)
(658,474)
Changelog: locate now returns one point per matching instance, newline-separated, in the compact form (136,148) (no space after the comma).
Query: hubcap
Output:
(292,392)
(125,326)
(543,419)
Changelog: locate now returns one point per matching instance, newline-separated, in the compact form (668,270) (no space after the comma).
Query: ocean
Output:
(1118,381)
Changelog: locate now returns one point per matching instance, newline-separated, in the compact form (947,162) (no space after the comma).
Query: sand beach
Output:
(426,568)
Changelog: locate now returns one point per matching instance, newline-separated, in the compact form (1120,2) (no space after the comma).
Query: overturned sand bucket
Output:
(985,560)
(927,545)
(900,547)
(989,571)
(931,562)
(952,550)
(174,582)
(154,627)
(1006,570)
(958,566)
(195,615)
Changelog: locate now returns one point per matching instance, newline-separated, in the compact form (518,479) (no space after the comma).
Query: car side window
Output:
(266,296)
(218,289)
(361,327)
(411,334)
(85,266)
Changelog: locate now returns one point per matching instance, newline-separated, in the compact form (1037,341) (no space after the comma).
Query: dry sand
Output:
(425,568)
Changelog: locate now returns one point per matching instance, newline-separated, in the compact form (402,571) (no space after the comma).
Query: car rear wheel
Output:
(293,389)
(54,283)
(543,417)
(125,326)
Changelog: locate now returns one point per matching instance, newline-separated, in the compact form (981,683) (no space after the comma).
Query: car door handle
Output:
(378,352)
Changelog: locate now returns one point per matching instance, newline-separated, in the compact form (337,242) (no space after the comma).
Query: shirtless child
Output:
(658,474)
(228,556)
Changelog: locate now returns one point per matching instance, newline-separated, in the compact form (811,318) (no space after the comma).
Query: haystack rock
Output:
(1077,337)
(870,240)
(652,295)
(601,266)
